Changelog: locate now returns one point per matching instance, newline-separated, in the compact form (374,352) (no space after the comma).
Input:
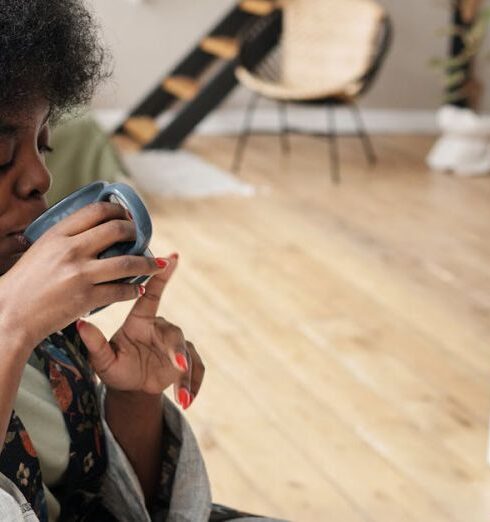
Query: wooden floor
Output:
(345,331)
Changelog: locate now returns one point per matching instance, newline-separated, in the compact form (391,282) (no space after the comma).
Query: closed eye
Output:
(6,166)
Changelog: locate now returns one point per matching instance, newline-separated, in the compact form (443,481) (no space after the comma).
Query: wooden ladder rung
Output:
(258,7)
(182,87)
(124,143)
(221,46)
(143,129)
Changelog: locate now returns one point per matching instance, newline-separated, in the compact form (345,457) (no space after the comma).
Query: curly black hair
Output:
(49,49)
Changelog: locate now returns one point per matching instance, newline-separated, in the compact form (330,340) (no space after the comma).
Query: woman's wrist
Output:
(14,337)
(19,328)
(137,421)
(134,398)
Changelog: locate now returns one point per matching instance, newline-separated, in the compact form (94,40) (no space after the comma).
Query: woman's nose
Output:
(34,181)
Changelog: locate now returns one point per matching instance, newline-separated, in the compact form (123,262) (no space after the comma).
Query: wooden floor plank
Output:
(344,329)
(356,246)
(378,407)
(375,487)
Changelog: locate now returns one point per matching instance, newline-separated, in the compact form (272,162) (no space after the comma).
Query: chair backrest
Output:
(328,40)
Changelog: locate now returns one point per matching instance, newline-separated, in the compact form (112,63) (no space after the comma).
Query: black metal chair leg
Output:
(363,135)
(283,122)
(332,138)
(242,140)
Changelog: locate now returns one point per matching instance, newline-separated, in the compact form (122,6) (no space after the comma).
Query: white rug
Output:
(182,174)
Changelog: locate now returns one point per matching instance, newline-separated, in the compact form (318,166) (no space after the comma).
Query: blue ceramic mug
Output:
(102,191)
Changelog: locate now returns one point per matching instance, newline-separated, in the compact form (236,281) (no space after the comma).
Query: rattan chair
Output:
(328,52)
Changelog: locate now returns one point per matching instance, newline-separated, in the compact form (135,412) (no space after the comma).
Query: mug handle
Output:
(127,197)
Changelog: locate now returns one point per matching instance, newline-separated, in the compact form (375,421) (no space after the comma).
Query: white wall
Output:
(148,37)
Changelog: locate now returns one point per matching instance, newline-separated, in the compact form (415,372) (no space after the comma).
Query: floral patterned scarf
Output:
(63,358)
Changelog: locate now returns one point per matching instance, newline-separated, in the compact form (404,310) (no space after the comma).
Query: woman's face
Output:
(24,178)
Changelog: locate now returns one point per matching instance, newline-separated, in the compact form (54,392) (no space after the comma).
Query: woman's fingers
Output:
(190,382)
(90,216)
(198,370)
(119,267)
(148,305)
(108,293)
(171,341)
(94,241)
(182,388)
(101,355)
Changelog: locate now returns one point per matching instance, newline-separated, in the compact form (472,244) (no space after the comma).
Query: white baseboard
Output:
(377,121)
(230,120)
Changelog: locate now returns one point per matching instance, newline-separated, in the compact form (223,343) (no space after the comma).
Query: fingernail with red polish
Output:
(184,398)
(182,362)
(175,256)
(161,263)
(142,290)
(79,324)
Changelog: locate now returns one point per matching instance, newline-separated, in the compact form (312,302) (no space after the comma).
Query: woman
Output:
(85,431)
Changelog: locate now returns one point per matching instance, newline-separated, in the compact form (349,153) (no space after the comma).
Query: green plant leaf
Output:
(453,62)
(455,78)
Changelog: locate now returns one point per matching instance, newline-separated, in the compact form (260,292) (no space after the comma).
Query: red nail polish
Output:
(79,324)
(175,256)
(182,362)
(161,263)
(142,290)
(184,398)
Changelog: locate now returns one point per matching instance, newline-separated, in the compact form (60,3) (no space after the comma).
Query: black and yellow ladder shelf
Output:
(200,82)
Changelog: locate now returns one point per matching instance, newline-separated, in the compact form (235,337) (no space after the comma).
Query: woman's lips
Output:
(16,243)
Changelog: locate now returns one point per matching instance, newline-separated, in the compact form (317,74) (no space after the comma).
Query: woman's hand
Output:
(147,354)
(60,278)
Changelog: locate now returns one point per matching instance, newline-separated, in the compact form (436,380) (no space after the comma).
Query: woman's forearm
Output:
(136,419)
